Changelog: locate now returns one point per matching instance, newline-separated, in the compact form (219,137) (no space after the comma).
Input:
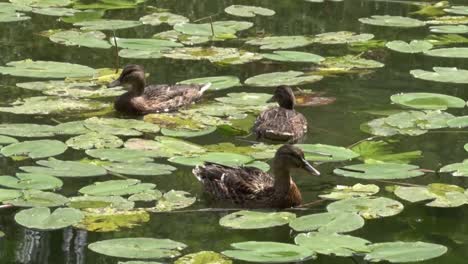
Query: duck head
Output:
(132,78)
(284,96)
(291,157)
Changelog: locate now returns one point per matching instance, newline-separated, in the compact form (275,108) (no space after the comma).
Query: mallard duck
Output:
(253,188)
(281,123)
(142,99)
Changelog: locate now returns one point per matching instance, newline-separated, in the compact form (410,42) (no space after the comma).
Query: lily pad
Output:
(321,152)
(64,168)
(367,207)
(268,252)
(450,29)
(430,101)
(85,15)
(35,198)
(213,54)
(42,218)
(46,69)
(7,194)
(108,220)
(13,17)
(392,21)
(458,10)
(256,219)
(293,56)
(146,196)
(217,82)
(400,252)
(140,169)
(457,122)
(187,133)
(116,187)
(123,155)
(248,11)
(333,244)
(124,127)
(447,53)
(90,39)
(341,192)
(107,4)
(156,19)
(331,222)
(107,24)
(41,3)
(146,44)
(415,46)
(203,257)
(347,64)
(5,140)
(173,200)
(141,54)
(448,20)
(342,37)
(224,158)
(440,195)
(282,78)
(245,99)
(164,146)
(457,169)
(31,181)
(55,11)
(380,171)
(442,74)
(206,30)
(72,89)
(35,149)
(93,202)
(27,130)
(138,248)
(381,152)
(94,140)
(281,42)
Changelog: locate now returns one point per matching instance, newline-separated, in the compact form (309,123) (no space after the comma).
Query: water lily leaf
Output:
(457,169)
(27,130)
(72,89)
(107,4)
(268,252)
(46,69)
(12,17)
(41,3)
(5,140)
(65,168)
(179,120)
(123,155)
(224,158)
(107,24)
(448,20)
(415,46)
(367,207)
(138,248)
(186,133)
(234,24)
(392,21)
(7,194)
(42,218)
(281,42)
(156,19)
(441,195)
(321,152)
(380,171)
(173,200)
(146,196)
(203,257)
(450,29)
(446,53)
(185,39)
(447,39)
(399,252)
(9,7)
(431,101)
(255,219)
(35,149)
(141,54)
(457,122)
(293,56)
(109,219)
(94,202)
(206,30)
(248,11)
(382,152)
(90,39)
(31,181)
(139,262)
(164,146)
(146,44)
(124,127)
(94,140)
(217,82)
(116,187)
(35,198)
(342,37)
(213,54)
(347,63)
(331,222)
(55,11)
(332,244)
(245,98)
(85,15)
(458,10)
(442,74)
(140,169)
(282,78)
(341,192)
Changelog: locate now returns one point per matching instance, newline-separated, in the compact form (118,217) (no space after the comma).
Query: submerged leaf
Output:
(94,202)
(140,169)
(293,56)
(107,24)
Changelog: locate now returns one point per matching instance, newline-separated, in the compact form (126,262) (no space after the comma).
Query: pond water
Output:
(357,94)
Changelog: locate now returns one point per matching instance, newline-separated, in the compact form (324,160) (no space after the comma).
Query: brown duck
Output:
(251,187)
(281,123)
(141,99)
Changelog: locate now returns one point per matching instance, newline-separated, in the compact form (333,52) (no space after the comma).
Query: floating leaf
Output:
(31,181)
(146,196)
(441,195)
(268,252)
(123,155)
(5,140)
(138,248)
(55,11)
(382,152)
(392,21)
(124,127)
(457,122)
(64,168)
(346,64)
(245,98)
(94,140)
(332,244)
(146,44)
(156,19)
(140,169)
(415,46)
(41,218)
(341,192)
(450,29)
(217,82)
(90,39)
(213,54)
(224,158)
(334,222)
(12,17)
(107,4)
(6,194)
(35,198)
(458,10)
(46,69)
(164,146)
(321,152)
(367,207)
(72,89)
(206,30)
(41,3)
(442,74)
(107,24)
(380,171)
(281,42)
(447,53)
(108,220)
(431,101)
(282,78)
(248,11)
(399,252)
(94,202)
(173,200)
(85,15)
(186,133)
(448,20)
(116,187)
(342,37)
(141,54)
(35,149)
(293,56)
(203,257)
(457,169)
(256,220)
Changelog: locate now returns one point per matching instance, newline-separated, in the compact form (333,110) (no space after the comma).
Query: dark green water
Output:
(336,124)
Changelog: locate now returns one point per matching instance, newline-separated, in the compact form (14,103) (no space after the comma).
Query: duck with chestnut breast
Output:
(141,99)
(253,188)
(281,123)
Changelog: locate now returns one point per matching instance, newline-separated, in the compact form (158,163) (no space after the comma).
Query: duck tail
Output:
(205,87)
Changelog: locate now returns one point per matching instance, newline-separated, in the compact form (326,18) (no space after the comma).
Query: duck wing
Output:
(280,124)
(240,185)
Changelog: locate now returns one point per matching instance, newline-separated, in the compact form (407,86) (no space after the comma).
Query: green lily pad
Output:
(94,202)
(245,99)
(448,20)
(107,4)
(26,130)
(108,220)
(124,127)
(382,152)
(293,56)
(140,169)
(203,257)
(450,29)
(248,11)
(55,11)
(220,31)
(35,149)
(457,122)
(138,248)
(415,46)
(5,140)
(72,89)
(9,7)
(7,194)
(12,17)
(156,19)
(447,53)
(35,198)
(392,21)
(116,187)
(85,15)
(90,39)
(46,69)
(342,37)
(213,54)
(217,82)
(41,3)
(146,196)
(400,252)
(173,200)
(440,195)
(348,63)
(187,133)
(164,146)
(224,158)
(331,222)
(431,101)
(146,44)
(333,244)
(268,252)
(31,181)
(107,24)
(123,155)
(141,54)
(281,42)
(63,168)
(442,74)
(457,169)
(321,152)
(282,78)
(380,171)
(42,218)
(341,192)
(255,219)
(367,207)
(94,140)
(458,10)
(185,39)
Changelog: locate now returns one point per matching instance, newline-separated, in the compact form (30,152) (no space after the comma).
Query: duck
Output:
(281,123)
(141,99)
(250,187)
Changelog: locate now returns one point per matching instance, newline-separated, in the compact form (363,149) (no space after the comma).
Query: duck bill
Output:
(114,84)
(309,168)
